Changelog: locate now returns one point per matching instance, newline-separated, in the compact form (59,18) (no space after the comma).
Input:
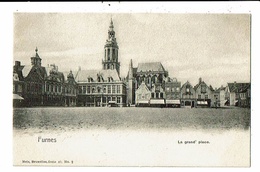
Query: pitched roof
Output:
(187,83)
(152,66)
(83,75)
(26,70)
(238,87)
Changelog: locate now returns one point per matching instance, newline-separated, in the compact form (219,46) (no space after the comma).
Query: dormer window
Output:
(110,79)
(90,79)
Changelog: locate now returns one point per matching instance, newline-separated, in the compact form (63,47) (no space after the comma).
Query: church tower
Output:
(36,61)
(110,60)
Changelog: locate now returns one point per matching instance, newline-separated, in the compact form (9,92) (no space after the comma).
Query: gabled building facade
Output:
(172,92)
(203,94)
(142,95)
(188,95)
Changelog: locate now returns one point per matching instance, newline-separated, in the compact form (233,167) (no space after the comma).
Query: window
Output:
(104,89)
(152,95)
(118,99)
(113,98)
(88,89)
(157,95)
(114,54)
(93,89)
(108,54)
(206,96)
(84,89)
(47,87)
(118,89)
(98,89)
(168,89)
(177,89)
(109,88)
(199,96)
(161,95)
(104,99)
(143,96)
(113,89)
(19,89)
(80,90)
(110,79)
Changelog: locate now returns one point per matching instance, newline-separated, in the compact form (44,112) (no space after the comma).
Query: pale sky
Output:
(215,47)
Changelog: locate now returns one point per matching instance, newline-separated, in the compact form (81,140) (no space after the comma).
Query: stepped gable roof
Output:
(238,87)
(83,75)
(151,66)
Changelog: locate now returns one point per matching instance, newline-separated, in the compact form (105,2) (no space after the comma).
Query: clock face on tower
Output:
(111,35)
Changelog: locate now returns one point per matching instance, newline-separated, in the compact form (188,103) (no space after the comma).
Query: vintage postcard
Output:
(131,89)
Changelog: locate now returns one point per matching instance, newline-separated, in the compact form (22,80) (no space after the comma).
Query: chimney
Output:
(200,80)
(17,63)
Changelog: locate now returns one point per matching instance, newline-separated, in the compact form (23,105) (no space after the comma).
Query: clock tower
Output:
(110,60)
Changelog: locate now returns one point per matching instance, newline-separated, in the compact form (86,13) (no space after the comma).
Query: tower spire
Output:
(130,70)
(111,26)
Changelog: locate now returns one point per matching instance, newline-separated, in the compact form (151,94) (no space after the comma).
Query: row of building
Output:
(148,84)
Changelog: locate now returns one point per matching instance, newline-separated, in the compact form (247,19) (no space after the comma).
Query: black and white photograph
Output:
(131,89)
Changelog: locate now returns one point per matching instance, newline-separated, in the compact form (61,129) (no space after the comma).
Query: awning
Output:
(202,102)
(157,101)
(143,101)
(236,101)
(112,102)
(17,97)
(173,102)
